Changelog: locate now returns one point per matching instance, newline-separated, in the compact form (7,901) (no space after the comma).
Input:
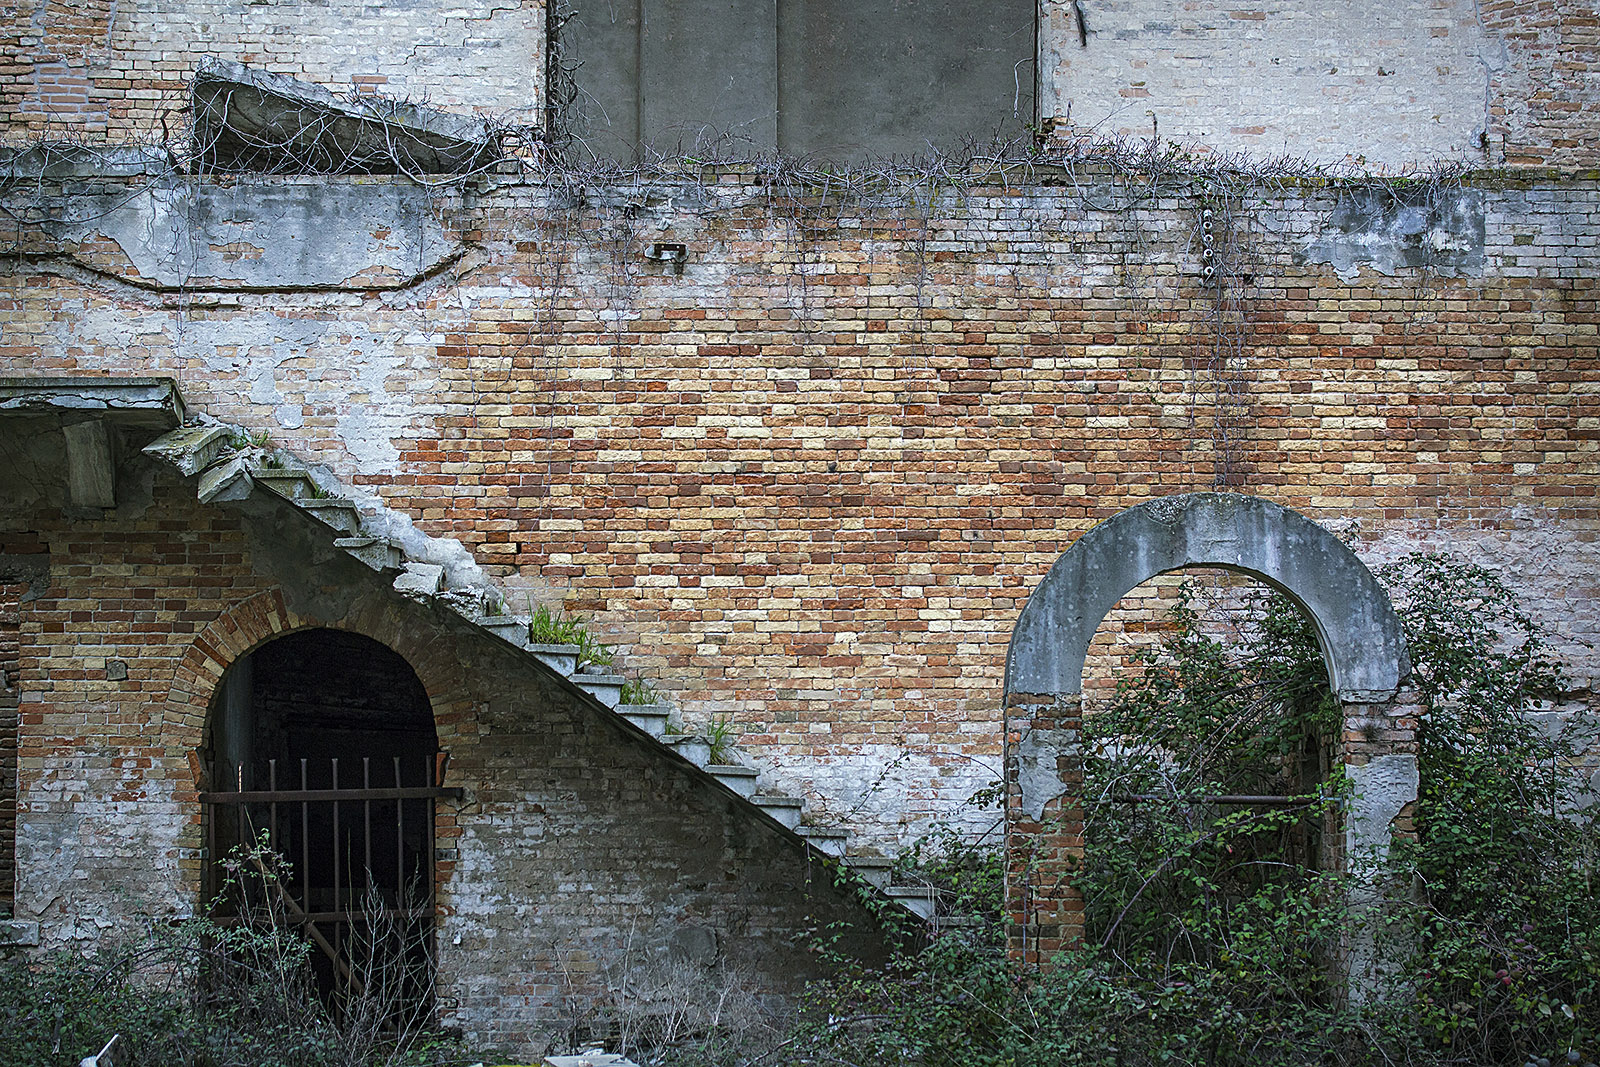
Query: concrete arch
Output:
(1361,638)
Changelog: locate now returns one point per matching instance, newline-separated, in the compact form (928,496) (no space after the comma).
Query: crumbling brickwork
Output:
(10,663)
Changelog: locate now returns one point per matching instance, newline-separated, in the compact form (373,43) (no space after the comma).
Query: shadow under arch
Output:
(1359,634)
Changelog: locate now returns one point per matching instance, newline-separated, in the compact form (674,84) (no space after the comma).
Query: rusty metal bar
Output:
(366,815)
(305,840)
(338,901)
(1239,799)
(399,838)
(263,796)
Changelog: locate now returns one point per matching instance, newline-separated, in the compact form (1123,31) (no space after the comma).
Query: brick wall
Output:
(1508,81)
(10,664)
(1503,82)
(119,72)
(809,482)
(581,865)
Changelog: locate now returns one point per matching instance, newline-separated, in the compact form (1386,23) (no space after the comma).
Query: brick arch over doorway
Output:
(1359,634)
(252,622)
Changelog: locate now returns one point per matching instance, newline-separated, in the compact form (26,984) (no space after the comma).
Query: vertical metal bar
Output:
(399,838)
(427,853)
(336,885)
(366,817)
(305,845)
(272,809)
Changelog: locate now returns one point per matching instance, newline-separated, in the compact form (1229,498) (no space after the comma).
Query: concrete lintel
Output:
(250,119)
(91,464)
(142,402)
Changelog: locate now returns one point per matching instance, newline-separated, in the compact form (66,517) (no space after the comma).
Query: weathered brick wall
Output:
(582,864)
(1509,81)
(119,72)
(10,620)
(808,482)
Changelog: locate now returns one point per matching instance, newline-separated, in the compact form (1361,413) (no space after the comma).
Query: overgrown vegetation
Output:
(233,988)
(1215,921)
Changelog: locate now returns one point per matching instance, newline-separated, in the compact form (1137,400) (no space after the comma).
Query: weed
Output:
(639,692)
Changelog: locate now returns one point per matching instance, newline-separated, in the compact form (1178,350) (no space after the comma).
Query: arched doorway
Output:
(324,765)
(1356,630)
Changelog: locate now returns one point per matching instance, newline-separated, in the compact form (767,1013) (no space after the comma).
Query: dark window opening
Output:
(323,749)
(811,78)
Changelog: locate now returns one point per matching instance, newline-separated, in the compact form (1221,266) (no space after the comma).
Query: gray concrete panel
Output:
(879,78)
(709,73)
(1356,626)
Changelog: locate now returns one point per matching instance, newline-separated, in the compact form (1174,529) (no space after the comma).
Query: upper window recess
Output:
(830,79)
(250,120)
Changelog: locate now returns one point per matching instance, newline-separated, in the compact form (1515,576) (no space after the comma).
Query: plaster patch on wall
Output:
(885,793)
(1438,230)
(260,233)
(1384,84)
(1383,786)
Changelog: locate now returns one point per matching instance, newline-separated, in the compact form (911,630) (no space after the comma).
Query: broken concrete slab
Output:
(420,579)
(247,119)
(190,449)
(138,402)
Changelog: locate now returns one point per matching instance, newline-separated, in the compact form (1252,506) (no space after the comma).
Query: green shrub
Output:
(1213,931)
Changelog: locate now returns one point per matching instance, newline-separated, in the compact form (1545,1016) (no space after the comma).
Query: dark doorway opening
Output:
(324,767)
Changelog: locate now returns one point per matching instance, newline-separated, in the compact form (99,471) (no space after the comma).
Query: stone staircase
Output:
(230,468)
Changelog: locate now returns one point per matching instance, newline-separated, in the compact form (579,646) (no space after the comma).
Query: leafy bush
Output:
(1214,926)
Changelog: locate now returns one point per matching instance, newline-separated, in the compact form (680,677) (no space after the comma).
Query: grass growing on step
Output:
(548,627)
(720,735)
(639,692)
(556,627)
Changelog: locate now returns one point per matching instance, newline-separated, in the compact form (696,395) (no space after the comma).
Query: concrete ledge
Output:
(149,402)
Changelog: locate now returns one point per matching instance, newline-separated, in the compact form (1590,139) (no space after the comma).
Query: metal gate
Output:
(340,849)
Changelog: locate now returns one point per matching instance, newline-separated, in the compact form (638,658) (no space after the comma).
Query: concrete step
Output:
(785,809)
(508,628)
(917,899)
(563,659)
(191,449)
(375,552)
(828,839)
(692,747)
(741,780)
(287,482)
(420,579)
(876,871)
(606,688)
(228,480)
(334,512)
(651,718)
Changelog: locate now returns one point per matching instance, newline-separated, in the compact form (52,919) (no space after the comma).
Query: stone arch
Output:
(1356,626)
(257,619)
(1359,634)
(264,616)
